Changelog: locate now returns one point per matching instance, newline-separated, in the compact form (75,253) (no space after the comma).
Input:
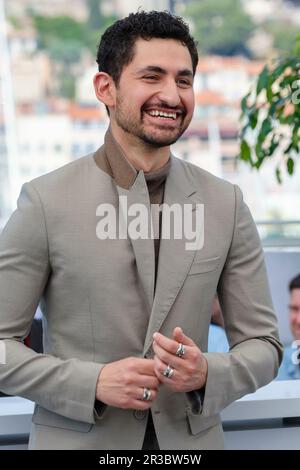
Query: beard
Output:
(162,136)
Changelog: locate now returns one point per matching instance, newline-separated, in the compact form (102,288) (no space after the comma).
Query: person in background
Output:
(217,339)
(290,367)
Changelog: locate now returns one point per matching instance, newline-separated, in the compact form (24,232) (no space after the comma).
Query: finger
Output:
(145,366)
(140,393)
(160,368)
(148,382)
(167,357)
(166,343)
(180,337)
(170,345)
(140,405)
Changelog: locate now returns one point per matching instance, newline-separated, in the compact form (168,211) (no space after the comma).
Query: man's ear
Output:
(104,88)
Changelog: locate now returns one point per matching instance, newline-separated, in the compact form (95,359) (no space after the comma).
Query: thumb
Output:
(180,337)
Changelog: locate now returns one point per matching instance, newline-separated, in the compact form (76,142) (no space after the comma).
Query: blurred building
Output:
(266,10)
(19,8)
(50,140)
(85,93)
(122,8)
(31,79)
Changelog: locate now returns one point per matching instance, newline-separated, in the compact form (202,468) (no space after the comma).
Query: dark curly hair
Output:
(294,283)
(116,48)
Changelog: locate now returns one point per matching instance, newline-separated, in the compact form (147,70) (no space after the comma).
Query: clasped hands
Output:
(189,371)
(134,382)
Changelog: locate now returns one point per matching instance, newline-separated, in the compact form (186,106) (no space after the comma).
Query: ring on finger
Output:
(168,372)
(180,350)
(146,394)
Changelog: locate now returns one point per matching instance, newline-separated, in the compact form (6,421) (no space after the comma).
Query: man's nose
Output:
(169,94)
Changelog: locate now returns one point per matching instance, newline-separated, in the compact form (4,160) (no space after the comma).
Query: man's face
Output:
(158,80)
(294,308)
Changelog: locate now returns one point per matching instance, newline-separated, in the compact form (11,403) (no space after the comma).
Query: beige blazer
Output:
(98,303)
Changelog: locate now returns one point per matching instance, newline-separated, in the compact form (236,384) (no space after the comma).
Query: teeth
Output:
(157,113)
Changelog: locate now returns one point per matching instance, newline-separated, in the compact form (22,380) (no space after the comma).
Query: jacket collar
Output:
(111,159)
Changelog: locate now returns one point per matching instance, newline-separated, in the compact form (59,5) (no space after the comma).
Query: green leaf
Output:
(269,92)
(244,130)
(265,130)
(253,119)
(287,81)
(259,151)
(290,166)
(278,175)
(290,119)
(289,148)
(279,69)
(263,80)
(277,107)
(258,163)
(244,104)
(296,135)
(273,146)
(266,126)
(245,151)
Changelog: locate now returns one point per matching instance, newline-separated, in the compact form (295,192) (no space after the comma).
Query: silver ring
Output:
(180,350)
(168,372)
(146,394)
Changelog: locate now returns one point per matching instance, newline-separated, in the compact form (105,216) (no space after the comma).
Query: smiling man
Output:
(154,99)
(126,319)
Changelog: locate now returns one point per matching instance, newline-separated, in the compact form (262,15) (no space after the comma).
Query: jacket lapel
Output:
(143,247)
(132,189)
(174,259)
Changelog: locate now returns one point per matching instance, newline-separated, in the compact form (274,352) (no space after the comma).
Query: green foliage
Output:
(220,27)
(63,28)
(271,115)
(63,38)
(96,19)
(284,36)
(92,36)
(66,52)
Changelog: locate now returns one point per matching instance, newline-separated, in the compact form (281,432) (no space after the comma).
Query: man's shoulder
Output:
(67,177)
(203,177)
(66,171)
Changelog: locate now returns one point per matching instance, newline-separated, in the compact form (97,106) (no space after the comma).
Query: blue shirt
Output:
(217,340)
(288,370)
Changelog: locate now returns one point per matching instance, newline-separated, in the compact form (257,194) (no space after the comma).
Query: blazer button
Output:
(140,414)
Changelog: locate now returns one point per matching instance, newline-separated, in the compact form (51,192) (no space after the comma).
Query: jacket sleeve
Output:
(250,323)
(67,387)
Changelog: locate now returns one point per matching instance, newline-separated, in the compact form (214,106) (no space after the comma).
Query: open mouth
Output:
(163,115)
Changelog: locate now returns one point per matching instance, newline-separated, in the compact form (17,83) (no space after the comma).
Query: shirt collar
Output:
(111,159)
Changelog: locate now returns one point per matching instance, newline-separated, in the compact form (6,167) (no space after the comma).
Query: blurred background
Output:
(49,115)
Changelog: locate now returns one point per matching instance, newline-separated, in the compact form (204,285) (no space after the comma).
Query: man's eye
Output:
(151,77)
(184,82)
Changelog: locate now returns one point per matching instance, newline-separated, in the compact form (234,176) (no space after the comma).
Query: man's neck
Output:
(139,154)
